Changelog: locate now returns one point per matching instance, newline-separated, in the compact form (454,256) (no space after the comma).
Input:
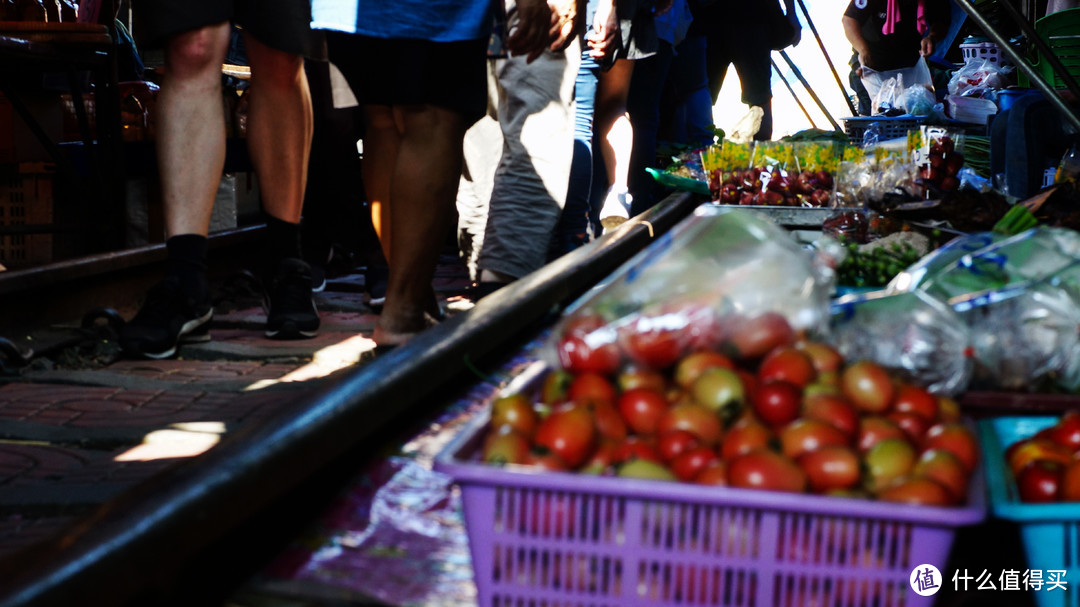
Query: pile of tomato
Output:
(742,401)
(1046,466)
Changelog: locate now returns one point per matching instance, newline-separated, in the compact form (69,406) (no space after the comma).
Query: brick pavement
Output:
(72,438)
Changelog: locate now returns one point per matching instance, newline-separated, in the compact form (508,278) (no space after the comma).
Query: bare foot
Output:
(392,332)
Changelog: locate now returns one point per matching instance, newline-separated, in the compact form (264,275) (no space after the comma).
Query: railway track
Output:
(122,482)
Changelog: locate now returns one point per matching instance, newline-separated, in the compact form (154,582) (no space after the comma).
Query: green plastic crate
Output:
(1061,31)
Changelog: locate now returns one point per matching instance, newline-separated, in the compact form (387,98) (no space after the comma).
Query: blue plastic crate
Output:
(1050,532)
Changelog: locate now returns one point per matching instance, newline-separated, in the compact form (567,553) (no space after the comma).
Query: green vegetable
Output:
(1017,219)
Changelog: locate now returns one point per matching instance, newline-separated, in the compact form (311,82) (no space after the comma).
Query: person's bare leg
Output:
(381,144)
(191,128)
(424,186)
(280,124)
(613,125)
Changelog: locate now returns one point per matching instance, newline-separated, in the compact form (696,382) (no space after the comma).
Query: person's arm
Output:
(939,15)
(793,17)
(853,32)
(602,38)
(542,24)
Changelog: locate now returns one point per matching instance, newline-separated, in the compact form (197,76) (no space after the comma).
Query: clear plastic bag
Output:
(701,286)
(886,88)
(976,79)
(916,335)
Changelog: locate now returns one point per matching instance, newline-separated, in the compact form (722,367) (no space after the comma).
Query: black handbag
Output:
(781,30)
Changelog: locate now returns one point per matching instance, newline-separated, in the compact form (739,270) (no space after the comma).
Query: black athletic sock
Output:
(284,239)
(187,261)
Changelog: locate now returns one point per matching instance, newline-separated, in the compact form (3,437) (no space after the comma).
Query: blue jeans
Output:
(572,230)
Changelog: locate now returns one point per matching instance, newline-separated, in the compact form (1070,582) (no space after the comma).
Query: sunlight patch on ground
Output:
(324,362)
(180,440)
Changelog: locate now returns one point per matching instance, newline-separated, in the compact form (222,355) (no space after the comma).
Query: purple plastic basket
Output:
(562,539)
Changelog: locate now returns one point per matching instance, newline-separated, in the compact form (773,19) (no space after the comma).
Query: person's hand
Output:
(864,61)
(542,24)
(926,46)
(602,39)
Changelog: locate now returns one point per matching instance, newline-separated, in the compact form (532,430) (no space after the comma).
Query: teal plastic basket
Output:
(1050,532)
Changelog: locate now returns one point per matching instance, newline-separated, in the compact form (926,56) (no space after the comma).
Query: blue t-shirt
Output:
(436,20)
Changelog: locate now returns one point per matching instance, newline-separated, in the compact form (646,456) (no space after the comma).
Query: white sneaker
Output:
(616,209)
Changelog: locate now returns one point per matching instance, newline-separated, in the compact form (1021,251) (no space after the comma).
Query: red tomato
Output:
(585,347)
(635,447)
(687,466)
(693,365)
(807,435)
(776,402)
(955,437)
(868,386)
(913,425)
(744,437)
(609,423)
(752,338)
(568,432)
(714,474)
(515,412)
(693,418)
(504,447)
(544,459)
(642,409)
(917,400)
(763,469)
(832,409)
(640,377)
(590,387)
(1066,432)
(1040,482)
(788,364)
(946,469)
(917,491)
(1023,452)
(602,460)
(653,341)
(830,468)
(826,359)
(577,356)
(674,443)
(1070,482)
(873,429)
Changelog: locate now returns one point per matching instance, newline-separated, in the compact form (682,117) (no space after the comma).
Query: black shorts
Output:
(284,25)
(382,71)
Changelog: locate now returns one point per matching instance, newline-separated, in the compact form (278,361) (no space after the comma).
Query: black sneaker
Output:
(167,318)
(291,312)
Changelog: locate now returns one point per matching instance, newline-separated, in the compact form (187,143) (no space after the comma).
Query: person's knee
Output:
(274,68)
(197,52)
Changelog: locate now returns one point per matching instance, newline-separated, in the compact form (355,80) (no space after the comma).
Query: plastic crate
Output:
(26,198)
(1061,30)
(1050,532)
(891,127)
(564,539)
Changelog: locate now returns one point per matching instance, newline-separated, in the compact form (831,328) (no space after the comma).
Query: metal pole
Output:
(828,59)
(813,95)
(1044,48)
(1021,63)
(792,91)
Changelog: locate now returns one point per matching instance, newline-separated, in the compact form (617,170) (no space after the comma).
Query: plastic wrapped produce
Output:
(724,278)
(1024,336)
(917,335)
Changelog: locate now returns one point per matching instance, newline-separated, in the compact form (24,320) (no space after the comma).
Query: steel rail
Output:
(129,543)
(809,89)
(828,59)
(792,91)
